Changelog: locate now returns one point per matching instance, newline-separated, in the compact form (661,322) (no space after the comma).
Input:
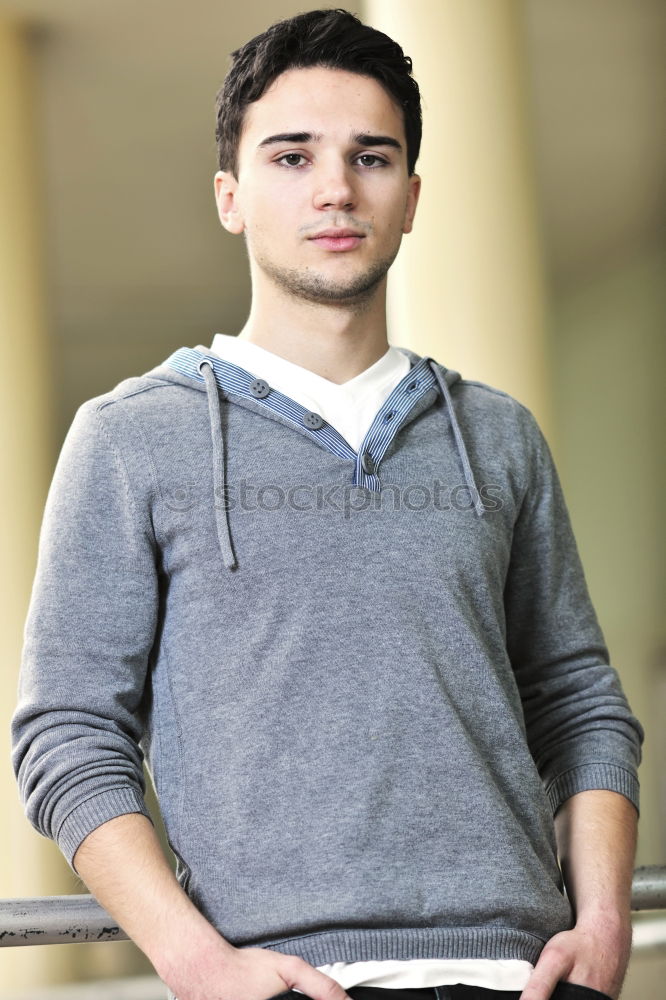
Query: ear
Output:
(412,199)
(226,198)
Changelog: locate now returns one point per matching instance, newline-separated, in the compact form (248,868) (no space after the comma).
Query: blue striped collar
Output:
(236,381)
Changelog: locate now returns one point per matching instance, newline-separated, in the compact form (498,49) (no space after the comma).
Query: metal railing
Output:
(648,890)
(77,919)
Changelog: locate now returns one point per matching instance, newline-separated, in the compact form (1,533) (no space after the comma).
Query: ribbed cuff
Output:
(94,811)
(587,777)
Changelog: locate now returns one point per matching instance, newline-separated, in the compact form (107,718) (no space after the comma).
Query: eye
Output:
(379,161)
(290,156)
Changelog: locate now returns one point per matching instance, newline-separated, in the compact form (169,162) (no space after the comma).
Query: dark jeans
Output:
(563,991)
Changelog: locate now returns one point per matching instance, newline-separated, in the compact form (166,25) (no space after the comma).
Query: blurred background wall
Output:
(536,264)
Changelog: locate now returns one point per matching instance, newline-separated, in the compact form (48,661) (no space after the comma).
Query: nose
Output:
(334,186)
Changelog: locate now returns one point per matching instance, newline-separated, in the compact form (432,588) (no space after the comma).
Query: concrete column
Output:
(467,287)
(30,865)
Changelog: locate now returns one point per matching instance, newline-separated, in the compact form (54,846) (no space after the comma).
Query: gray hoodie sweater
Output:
(363,682)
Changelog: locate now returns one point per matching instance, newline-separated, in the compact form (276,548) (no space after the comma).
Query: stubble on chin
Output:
(313,286)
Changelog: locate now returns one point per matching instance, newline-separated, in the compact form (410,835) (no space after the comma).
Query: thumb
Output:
(317,985)
(545,976)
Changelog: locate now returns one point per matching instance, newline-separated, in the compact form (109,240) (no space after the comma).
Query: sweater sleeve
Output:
(87,640)
(580,729)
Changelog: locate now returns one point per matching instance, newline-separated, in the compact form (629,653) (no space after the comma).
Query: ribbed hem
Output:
(587,777)
(378,944)
(94,811)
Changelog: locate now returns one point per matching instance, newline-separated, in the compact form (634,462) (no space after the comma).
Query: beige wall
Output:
(25,407)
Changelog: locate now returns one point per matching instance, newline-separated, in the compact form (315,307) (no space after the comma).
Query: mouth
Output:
(337,239)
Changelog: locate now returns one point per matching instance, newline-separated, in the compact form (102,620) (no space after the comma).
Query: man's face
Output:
(322,149)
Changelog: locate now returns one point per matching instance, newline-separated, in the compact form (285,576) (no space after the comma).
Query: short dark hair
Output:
(335,39)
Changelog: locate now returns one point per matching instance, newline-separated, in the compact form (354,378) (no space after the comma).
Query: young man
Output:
(330,588)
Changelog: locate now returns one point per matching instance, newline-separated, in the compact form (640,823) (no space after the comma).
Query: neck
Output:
(336,341)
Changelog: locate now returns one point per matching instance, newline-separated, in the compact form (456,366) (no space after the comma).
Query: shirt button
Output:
(259,388)
(367,463)
(313,421)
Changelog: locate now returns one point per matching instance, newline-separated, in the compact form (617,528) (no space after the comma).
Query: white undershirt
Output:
(350,408)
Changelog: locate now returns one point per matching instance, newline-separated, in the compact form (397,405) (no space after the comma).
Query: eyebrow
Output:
(361,138)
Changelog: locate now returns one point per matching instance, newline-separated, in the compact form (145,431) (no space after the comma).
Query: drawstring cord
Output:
(460,444)
(219,468)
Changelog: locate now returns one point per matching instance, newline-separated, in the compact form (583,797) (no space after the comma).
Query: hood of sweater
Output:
(225,383)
